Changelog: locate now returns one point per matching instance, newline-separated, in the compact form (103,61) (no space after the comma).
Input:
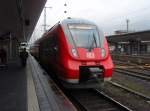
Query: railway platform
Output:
(30,89)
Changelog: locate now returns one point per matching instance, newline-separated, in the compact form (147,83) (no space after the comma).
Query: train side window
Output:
(55,44)
(46,48)
(50,45)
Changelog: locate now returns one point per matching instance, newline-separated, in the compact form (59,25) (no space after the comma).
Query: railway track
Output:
(147,98)
(136,66)
(95,100)
(138,71)
(140,75)
(124,63)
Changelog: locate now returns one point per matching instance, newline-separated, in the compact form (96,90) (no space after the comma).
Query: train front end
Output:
(88,60)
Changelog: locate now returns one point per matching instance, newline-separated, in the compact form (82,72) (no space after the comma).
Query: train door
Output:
(55,49)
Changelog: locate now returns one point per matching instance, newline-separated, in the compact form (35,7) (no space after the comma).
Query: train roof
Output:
(64,23)
(76,21)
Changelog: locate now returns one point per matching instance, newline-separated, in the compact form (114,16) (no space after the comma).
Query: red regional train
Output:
(77,51)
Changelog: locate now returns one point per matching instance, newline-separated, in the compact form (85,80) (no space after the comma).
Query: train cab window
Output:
(85,36)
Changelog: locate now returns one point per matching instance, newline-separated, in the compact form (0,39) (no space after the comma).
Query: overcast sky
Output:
(110,15)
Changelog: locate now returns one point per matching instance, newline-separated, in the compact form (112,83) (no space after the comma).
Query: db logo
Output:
(90,55)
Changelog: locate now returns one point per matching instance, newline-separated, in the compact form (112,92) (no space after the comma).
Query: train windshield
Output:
(85,36)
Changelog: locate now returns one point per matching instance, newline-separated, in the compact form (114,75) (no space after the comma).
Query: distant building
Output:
(119,32)
(136,43)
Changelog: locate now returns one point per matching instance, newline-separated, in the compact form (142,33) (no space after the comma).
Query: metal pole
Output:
(127,25)
(45,18)
(23,29)
(10,47)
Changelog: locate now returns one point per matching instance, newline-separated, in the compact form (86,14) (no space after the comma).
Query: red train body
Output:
(78,52)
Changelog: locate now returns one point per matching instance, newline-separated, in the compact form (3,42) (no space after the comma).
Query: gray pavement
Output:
(30,89)
(13,88)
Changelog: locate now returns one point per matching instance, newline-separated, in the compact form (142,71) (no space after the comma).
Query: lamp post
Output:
(45,17)
(127,25)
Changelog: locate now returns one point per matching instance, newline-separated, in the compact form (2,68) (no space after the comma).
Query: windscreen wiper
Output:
(93,41)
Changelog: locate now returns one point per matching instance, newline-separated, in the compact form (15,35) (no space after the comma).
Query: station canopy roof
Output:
(19,17)
(136,36)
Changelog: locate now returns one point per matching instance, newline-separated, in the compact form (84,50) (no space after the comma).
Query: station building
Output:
(136,43)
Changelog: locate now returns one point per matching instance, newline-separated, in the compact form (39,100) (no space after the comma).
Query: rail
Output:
(93,100)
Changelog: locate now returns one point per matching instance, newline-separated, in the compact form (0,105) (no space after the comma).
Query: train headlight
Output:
(74,52)
(103,52)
